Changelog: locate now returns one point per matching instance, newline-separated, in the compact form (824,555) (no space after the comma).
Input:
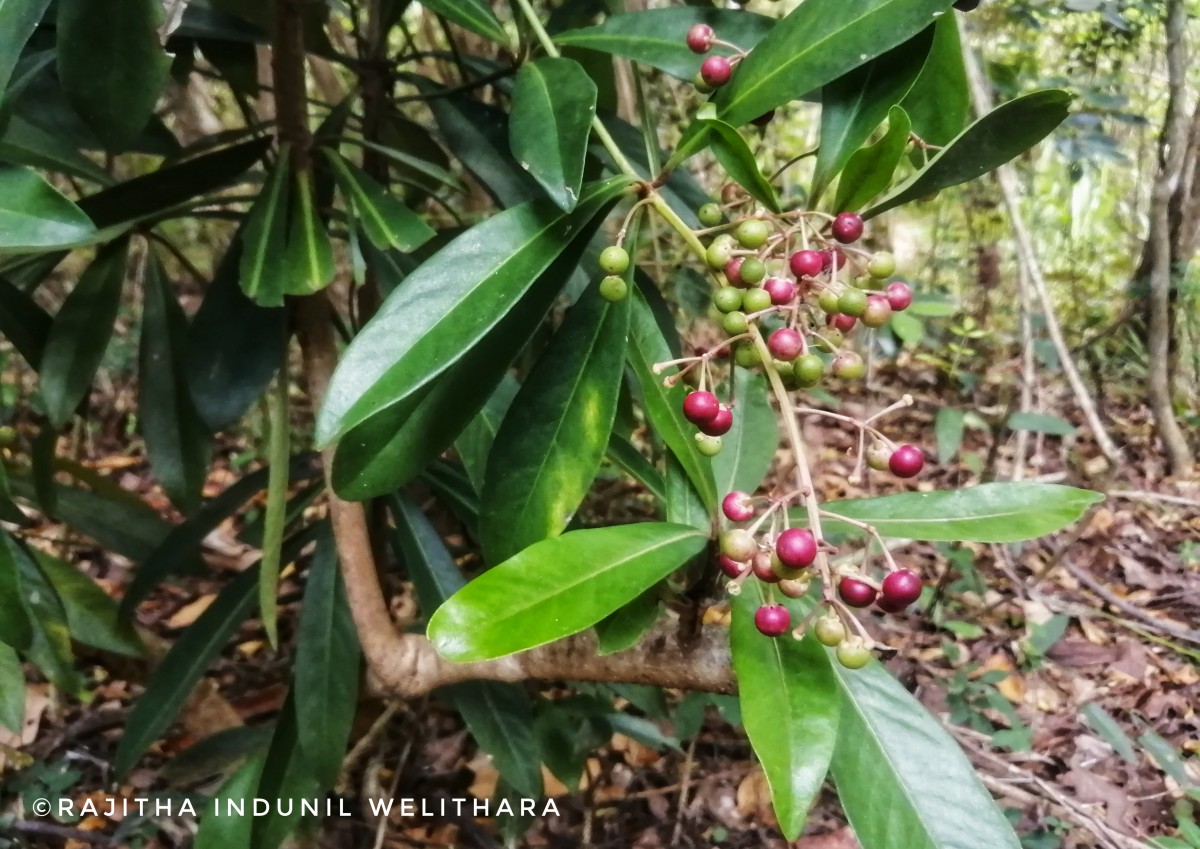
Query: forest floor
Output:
(1067,668)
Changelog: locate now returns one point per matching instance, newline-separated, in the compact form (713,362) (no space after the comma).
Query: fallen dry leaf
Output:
(189,613)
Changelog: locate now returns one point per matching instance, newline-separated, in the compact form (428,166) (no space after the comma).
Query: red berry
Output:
(719,424)
(700,407)
(732,568)
(733,272)
(842,322)
(737,507)
(906,461)
(716,71)
(761,564)
(856,593)
(806,263)
(781,291)
(796,548)
(785,344)
(899,295)
(848,227)
(700,38)
(772,619)
(901,588)
(889,606)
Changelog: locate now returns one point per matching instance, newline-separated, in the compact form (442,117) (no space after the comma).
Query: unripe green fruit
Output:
(853,653)
(879,456)
(882,265)
(735,322)
(848,365)
(878,311)
(728,299)
(786,375)
(753,271)
(830,339)
(865,282)
(754,300)
(794,589)
(614,288)
(808,369)
(700,84)
(829,630)
(738,544)
(828,300)
(718,254)
(786,573)
(752,233)
(710,215)
(852,302)
(614,260)
(746,356)
(709,446)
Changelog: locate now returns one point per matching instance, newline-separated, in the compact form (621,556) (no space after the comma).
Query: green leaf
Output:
(50,648)
(35,217)
(990,512)
(939,103)
(748,449)
(820,41)
(81,332)
(286,775)
(855,104)
(15,627)
(23,143)
(558,587)
(1167,759)
(18,20)
(739,162)
(908,329)
(790,708)
(664,407)
(623,628)
(92,615)
(176,442)
(116,98)
(231,832)
(326,669)
(869,170)
(1003,134)
(682,503)
(308,259)
(12,688)
(901,778)
(475,15)
(554,102)
(387,222)
(499,716)
(24,323)
(474,444)
(552,440)
(656,37)
(1103,724)
(264,238)
(948,428)
(623,454)
(1040,423)
(447,305)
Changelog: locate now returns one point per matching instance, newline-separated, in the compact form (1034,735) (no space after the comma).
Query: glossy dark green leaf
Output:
(18,20)
(475,442)
(990,512)
(739,162)
(176,442)
(622,629)
(387,222)
(287,775)
(23,143)
(1002,135)
(558,587)
(215,754)
(657,37)
(901,778)
(15,627)
(681,190)
(81,332)
(748,450)
(326,670)
(499,715)
(939,103)
(34,216)
(1040,423)
(9,511)
(172,683)
(682,503)
(231,832)
(264,238)
(475,15)
(92,615)
(12,690)
(308,259)
(50,649)
(554,102)
(23,322)
(622,452)
(853,105)
(448,304)
(553,438)
(820,41)
(234,347)
(869,171)
(664,407)
(789,701)
(115,98)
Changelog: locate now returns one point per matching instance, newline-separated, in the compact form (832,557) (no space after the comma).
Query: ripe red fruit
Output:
(796,548)
(733,272)
(901,588)
(856,593)
(700,38)
(737,507)
(731,568)
(899,295)
(772,619)
(781,291)
(806,263)
(785,344)
(889,606)
(761,564)
(719,424)
(700,407)
(847,227)
(906,461)
(832,256)
(716,71)
(842,322)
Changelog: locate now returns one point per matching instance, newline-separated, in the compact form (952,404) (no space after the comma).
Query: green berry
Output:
(879,456)
(848,365)
(853,653)
(786,375)
(755,300)
(852,302)
(710,215)
(882,265)
(828,300)
(709,446)
(613,288)
(728,299)
(753,271)
(719,253)
(752,233)
(735,322)
(830,339)
(865,282)
(808,369)
(830,630)
(746,356)
(614,260)
(700,84)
